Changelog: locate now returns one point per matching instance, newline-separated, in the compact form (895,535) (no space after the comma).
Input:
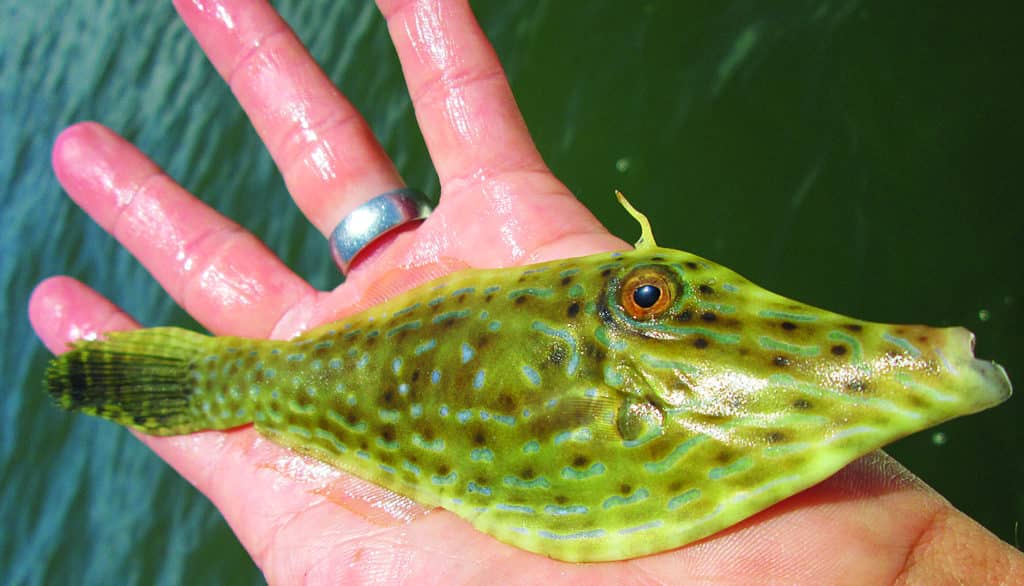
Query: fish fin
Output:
(140,378)
(646,234)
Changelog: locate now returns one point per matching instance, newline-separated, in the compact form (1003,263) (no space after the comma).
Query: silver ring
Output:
(373,219)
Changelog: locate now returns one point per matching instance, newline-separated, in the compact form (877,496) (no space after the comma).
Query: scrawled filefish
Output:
(594,408)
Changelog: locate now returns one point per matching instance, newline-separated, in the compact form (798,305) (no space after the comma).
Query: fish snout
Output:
(983,382)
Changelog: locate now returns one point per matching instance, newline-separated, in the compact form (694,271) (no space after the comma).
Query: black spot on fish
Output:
(506,403)
(574,309)
(625,489)
(684,316)
(724,456)
(605,314)
(479,437)
(580,461)
(838,350)
(388,397)
(561,499)
(427,433)
(917,401)
(557,354)
(657,258)
(443,470)
(788,325)
(854,327)
(691,265)
(774,437)
(566,281)
(674,486)
(363,445)
(856,386)
(527,473)
(781,361)
(415,375)
(700,343)
(387,433)
(140,419)
(706,289)
(351,418)
(489,297)
(708,316)
(521,300)
(606,273)
(802,404)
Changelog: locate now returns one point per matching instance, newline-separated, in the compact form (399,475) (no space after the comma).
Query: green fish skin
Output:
(588,409)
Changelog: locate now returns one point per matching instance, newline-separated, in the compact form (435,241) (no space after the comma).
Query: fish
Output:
(597,408)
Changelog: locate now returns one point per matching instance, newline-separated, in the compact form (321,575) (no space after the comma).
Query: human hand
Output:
(302,520)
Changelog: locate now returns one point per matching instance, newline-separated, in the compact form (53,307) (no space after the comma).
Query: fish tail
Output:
(154,380)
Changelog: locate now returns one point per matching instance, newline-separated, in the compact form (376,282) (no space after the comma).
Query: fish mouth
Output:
(984,381)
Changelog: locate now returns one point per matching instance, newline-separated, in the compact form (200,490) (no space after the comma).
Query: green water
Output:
(860,156)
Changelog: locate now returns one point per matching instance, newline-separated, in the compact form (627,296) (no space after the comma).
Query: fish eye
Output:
(646,294)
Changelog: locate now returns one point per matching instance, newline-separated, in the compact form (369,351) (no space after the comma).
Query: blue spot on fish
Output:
(481,455)
(674,456)
(538,482)
(435,376)
(617,500)
(505,419)
(644,527)
(740,465)
(531,375)
(435,445)
(682,499)
(478,380)
(474,487)
(596,469)
(450,315)
(591,534)
(515,508)
(424,347)
(467,352)
(566,510)
(444,480)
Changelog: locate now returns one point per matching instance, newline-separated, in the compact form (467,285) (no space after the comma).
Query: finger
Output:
(63,310)
(218,272)
(326,152)
(465,108)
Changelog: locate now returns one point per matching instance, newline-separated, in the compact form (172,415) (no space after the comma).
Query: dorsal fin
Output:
(646,235)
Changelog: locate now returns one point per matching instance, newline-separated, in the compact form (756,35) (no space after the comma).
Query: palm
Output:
(302,520)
